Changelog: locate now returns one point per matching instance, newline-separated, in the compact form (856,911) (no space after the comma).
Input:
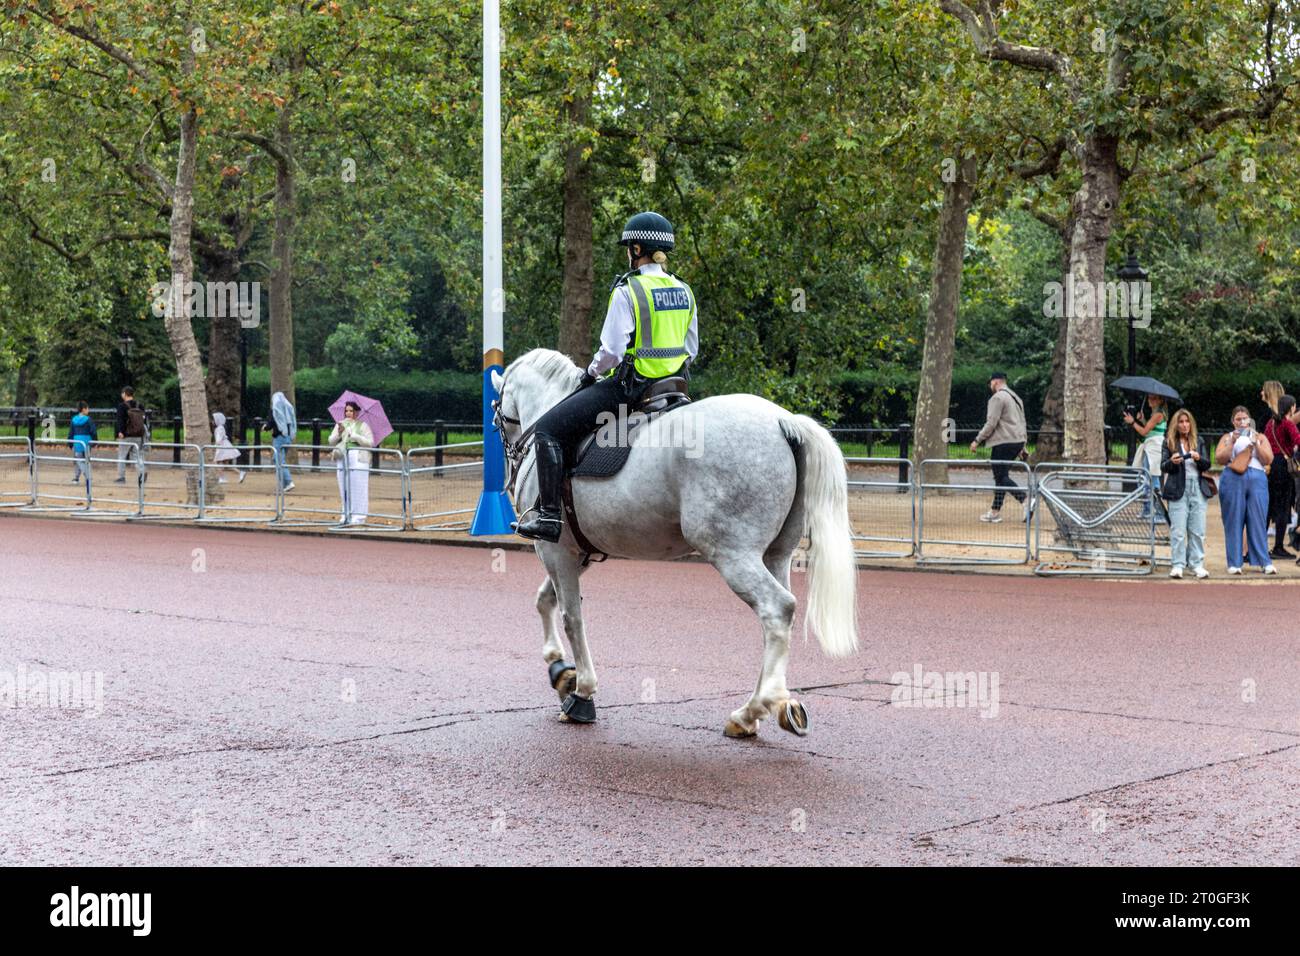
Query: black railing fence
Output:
(896,441)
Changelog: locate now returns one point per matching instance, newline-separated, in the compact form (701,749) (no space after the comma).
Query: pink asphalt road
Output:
(340,701)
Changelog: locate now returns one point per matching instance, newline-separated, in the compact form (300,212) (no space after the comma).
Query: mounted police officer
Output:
(650,333)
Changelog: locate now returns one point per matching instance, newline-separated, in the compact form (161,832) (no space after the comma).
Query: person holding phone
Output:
(1243,492)
(1184,460)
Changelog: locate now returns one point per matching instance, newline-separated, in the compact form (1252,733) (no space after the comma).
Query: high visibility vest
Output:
(663,307)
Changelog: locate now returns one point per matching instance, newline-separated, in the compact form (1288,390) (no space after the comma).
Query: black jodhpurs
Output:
(576,416)
(1008,451)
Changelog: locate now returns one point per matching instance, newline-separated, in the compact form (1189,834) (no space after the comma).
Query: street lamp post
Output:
(1131,274)
(243,385)
(124,342)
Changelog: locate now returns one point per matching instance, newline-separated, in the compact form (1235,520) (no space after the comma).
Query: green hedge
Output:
(883,396)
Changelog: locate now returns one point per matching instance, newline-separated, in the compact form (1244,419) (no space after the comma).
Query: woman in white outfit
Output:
(225,452)
(350,438)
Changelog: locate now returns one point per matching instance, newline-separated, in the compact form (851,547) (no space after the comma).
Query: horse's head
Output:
(530,386)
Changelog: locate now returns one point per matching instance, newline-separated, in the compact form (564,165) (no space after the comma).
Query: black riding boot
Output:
(545,521)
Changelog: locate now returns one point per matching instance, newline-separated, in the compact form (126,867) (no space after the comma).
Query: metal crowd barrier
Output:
(313,473)
(881,504)
(15,473)
(1094,519)
(443,493)
(173,484)
(235,499)
(106,497)
(946,508)
(378,480)
(93,491)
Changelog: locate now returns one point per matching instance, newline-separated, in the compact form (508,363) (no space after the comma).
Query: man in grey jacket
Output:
(1004,430)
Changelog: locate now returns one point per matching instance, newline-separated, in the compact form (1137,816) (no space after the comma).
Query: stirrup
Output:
(541,526)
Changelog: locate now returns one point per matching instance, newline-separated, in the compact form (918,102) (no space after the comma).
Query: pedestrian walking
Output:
(1004,430)
(81,433)
(1185,463)
(225,450)
(132,428)
(284,431)
(1243,492)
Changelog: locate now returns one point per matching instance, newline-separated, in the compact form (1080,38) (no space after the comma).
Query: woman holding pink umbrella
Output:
(351,437)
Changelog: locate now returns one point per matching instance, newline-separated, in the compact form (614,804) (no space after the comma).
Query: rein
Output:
(516,451)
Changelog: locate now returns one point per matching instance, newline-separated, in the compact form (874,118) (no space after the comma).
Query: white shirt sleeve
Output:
(693,333)
(620,325)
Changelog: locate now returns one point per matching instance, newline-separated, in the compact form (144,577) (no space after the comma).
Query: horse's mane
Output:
(550,365)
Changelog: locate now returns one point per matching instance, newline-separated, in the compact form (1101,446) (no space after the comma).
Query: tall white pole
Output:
(494,512)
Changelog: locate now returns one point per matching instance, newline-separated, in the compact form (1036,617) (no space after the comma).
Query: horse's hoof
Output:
(736,732)
(792,717)
(578,710)
(564,678)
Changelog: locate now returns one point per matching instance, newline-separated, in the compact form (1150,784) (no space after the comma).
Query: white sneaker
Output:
(1200,572)
(289,486)
(991,516)
(1176,573)
(1269,569)
(1234,570)
(242,475)
(220,480)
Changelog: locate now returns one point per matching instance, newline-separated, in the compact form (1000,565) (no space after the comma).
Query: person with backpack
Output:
(1004,430)
(82,432)
(284,431)
(132,429)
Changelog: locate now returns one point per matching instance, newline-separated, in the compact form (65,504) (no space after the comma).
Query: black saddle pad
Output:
(594,460)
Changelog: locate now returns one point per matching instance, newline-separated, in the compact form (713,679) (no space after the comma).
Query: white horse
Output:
(743,491)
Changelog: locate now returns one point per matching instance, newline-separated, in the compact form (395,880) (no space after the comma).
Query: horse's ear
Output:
(497,380)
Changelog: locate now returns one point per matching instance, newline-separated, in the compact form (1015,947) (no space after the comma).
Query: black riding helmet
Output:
(651,231)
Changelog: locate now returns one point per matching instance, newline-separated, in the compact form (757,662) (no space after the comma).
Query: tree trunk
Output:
(1094,208)
(933,426)
(223,347)
(180,331)
(281,295)
(25,388)
(1050,446)
(579,273)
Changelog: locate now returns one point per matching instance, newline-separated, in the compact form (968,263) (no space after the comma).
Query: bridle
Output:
(517,450)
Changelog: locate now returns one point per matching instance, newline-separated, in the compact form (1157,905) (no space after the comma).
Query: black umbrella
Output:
(1146,385)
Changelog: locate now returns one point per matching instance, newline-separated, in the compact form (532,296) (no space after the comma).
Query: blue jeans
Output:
(1243,499)
(1187,528)
(281,469)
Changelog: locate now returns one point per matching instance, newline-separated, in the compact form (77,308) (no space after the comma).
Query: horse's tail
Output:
(832,567)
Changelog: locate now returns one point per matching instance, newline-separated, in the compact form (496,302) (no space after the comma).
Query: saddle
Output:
(593,459)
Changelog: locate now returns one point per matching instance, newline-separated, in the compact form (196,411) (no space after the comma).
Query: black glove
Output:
(587,379)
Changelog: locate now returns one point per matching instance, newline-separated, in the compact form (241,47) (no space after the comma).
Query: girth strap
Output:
(589,550)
